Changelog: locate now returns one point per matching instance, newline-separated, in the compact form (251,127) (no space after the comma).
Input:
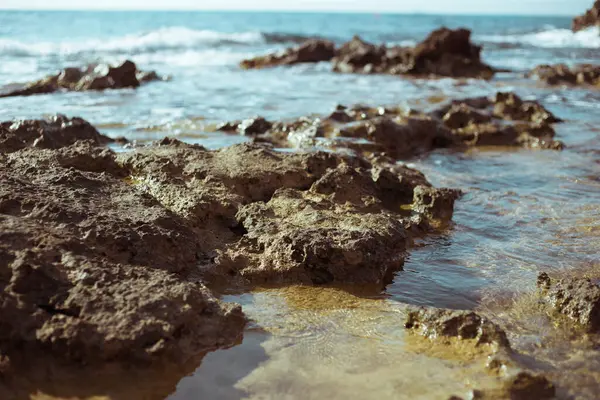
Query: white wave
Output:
(553,38)
(173,38)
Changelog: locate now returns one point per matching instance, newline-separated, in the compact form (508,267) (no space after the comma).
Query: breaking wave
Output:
(552,38)
(163,39)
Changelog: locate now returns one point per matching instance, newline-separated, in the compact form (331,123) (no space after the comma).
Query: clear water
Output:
(524,211)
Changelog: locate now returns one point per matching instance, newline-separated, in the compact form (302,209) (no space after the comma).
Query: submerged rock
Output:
(91,269)
(561,74)
(93,77)
(578,299)
(434,323)
(312,51)
(589,19)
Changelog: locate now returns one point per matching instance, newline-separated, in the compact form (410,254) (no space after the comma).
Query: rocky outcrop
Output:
(312,51)
(589,19)
(314,218)
(445,52)
(577,298)
(93,77)
(92,269)
(434,323)
(561,74)
(503,119)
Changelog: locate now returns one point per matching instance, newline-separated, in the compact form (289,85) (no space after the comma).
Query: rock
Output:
(578,299)
(528,386)
(312,51)
(52,133)
(313,218)
(436,204)
(434,323)
(93,77)
(444,52)
(561,74)
(254,126)
(447,52)
(91,268)
(589,19)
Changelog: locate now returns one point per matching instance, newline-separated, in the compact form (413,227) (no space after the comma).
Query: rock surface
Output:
(589,19)
(312,51)
(445,52)
(314,218)
(93,77)
(578,299)
(503,119)
(434,323)
(91,269)
(561,74)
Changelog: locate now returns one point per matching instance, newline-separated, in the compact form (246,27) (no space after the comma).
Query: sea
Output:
(524,211)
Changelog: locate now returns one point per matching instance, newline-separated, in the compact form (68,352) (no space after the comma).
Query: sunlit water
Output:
(523,211)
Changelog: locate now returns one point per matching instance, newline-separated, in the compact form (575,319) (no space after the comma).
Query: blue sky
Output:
(530,7)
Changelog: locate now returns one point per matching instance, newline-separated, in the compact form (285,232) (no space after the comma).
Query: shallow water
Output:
(523,211)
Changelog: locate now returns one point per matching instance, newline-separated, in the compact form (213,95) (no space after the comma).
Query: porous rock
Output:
(577,298)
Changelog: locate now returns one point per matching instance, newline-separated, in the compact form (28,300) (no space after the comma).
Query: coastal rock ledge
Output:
(109,257)
(589,19)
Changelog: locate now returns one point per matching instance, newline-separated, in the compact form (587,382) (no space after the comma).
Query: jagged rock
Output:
(434,323)
(561,74)
(444,52)
(578,299)
(91,269)
(312,218)
(312,51)
(51,133)
(93,77)
(589,19)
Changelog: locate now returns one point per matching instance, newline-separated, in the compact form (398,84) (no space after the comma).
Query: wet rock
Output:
(589,19)
(527,386)
(436,204)
(434,323)
(312,51)
(254,126)
(314,218)
(578,299)
(447,52)
(93,77)
(444,52)
(92,269)
(561,74)
(51,133)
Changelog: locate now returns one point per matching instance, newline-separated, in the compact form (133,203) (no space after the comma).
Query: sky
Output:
(528,7)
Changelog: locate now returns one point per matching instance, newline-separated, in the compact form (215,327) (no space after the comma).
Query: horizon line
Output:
(307,11)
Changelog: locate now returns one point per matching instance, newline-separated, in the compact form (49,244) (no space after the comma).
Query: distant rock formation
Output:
(445,52)
(590,18)
(92,77)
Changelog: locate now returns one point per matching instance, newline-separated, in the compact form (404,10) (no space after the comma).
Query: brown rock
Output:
(93,77)
(52,133)
(92,269)
(313,218)
(527,386)
(561,74)
(578,299)
(589,19)
(433,323)
(312,51)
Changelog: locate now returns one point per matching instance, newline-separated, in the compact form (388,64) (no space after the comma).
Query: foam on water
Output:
(552,38)
(162,39)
